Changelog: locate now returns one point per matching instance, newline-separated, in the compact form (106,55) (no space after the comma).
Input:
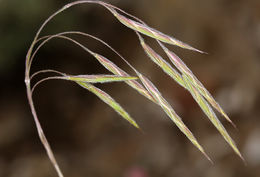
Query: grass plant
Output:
(177,70)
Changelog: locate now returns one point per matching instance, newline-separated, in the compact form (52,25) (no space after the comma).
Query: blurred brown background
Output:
(87,136)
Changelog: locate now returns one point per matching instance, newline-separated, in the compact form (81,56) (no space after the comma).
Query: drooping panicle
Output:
(116,70)
(101,78)
(210,114)
(164,65)
(151,32)
(109,100)
(196,83)
(170,112)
